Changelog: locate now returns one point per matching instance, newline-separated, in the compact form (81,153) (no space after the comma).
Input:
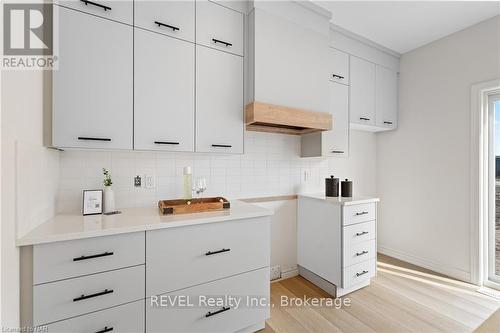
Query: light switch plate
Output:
(149,181)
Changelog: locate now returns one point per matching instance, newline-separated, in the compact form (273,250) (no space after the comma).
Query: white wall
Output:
(423,167)
(29,172)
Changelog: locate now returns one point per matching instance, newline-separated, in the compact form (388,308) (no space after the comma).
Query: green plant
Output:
(107,177)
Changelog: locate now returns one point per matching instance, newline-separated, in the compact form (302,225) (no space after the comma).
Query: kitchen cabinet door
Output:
(219,101)
(336,141)
(362,98)
(339,66)
(172,18)
(219,27)
(121,10)
(386,97)
(163,93)
(93,88)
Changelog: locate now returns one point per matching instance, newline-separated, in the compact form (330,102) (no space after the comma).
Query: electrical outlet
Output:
(137,181)
(275,273)
(306,176)
(149,181)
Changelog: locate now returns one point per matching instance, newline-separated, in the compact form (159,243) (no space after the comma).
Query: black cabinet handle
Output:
(224,309)
(362,213)
(222,146)
(86,2)
(167,26)
(221,42)
(337,151)
(361,253)
(361,233)
(340,77)
(363,118)
(104,292)
(105,329)
(209,253)
(86,138)
(105,254)
(388,122)
(362,273)
(166,143)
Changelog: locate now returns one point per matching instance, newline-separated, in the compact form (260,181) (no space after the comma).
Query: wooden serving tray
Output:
(188,206)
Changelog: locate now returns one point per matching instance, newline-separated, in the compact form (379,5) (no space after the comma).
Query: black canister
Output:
(346,187)
(332,187)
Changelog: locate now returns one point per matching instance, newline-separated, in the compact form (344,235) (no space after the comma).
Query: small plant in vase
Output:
(109,195)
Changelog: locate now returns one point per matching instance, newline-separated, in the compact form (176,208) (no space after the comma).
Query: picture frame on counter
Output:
(92,202)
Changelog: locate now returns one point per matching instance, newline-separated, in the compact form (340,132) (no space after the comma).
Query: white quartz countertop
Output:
(343,201)
(76,226)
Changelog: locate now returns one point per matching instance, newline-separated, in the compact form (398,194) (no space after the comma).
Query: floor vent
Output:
(489,292)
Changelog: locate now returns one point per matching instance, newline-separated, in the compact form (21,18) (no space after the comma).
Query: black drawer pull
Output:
(361,233)
(362,213)
(337,151)
(340,77)
(388,122)
(363,118)
(86,138)
(105,254)
(224,309)
(104,292)
(209,253)
(361,253)
(362,273)
(166,143)
(105,329)
(86,2)
(221,42)
(167,26)
(222,146)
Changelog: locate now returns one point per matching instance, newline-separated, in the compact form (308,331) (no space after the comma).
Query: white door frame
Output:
(479,187)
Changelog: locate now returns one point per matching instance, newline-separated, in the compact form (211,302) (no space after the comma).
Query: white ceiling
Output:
(405,25)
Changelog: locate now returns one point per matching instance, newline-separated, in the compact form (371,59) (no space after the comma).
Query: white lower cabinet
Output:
(119,273)
(249,293)
(93,86)
(336,251)
(163,93)
(219,101)
(127,318)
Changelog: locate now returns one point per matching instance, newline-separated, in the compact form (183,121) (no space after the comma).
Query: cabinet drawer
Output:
(254,284)
(68,298)
(358,233)
(359,213)
(62,260)
(356,253)
(184,257)
(123,318)
(121,11)
(358,273)
(219,27)
(172,18)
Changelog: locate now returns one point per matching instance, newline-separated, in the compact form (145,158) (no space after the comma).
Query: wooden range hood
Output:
(263,117)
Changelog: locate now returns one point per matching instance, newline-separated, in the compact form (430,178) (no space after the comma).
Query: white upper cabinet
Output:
(121,11)
(339,66)
(386,98)
(219,27)
(93,88)
(336,141)
(362,99)
(219,101)
(172,18)
(164,93)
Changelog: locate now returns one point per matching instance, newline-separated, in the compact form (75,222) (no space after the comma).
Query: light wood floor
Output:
(401,298)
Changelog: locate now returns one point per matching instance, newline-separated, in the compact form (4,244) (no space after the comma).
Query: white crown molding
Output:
(315,8)
(363,40)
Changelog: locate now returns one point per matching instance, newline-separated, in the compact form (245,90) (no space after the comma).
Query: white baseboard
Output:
(287,274)
(433,266)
